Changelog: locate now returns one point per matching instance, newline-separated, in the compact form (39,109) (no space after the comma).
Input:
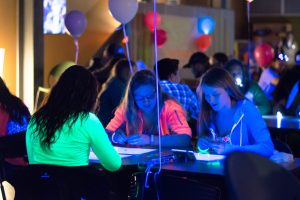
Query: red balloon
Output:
(203,42)
(264,54)
(149,20)
(161,37)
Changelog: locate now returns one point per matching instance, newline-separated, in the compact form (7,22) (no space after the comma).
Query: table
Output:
(285,122)
(211,172)
(287,130)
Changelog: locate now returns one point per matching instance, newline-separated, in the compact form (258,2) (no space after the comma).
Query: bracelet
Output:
(151,139)
(112,137)
(203,151)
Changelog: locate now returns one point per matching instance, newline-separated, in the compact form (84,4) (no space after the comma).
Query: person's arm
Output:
(258,131)
(118,120)
(260,99)
(102,147)
(181,132)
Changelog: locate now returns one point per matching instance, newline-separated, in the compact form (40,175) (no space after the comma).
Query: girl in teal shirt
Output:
(63,130)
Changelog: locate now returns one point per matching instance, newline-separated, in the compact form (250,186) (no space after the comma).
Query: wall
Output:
(8,40)
(180,23)
(60,48)
(294,21)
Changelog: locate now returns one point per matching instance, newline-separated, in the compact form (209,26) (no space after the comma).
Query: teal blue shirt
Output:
(72,147)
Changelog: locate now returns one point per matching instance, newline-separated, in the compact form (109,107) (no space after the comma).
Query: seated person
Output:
(14,118)
(198,64)
(219,59)
(249,88)
(64,129)
(287,80)
(113,91)
(138,112)
(228,122)
(169,81)
(269,77)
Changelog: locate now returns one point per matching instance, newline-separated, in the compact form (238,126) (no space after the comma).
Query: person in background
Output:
(289,47)
(198,63)
(64,129)
(249,88)
(221,99)
(113,91)
(102,66)
(270,77)
(287,80)
(109,56)
(219,59)
(135,120)
(170,83)
(14,118)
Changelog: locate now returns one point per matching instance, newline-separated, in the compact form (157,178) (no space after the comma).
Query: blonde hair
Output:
(143,77)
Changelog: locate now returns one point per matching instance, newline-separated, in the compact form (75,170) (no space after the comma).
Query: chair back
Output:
(58,182)
(249,176)
(165,187)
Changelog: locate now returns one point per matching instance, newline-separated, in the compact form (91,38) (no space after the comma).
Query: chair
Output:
(170,187)
(249,176)
(45,182)
(11,146)
(38,99)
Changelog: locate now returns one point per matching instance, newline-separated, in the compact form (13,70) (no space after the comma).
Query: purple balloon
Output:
(75,23)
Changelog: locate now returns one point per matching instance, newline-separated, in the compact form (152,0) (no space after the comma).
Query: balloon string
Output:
(249,39)
(77,49)
(157,86)
(127,48)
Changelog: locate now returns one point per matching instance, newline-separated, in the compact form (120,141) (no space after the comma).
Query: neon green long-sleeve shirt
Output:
(72,147)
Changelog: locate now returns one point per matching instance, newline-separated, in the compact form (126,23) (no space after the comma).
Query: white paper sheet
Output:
(133,151)
(208,157)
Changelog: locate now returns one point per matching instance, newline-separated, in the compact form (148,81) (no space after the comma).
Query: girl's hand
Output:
(119,137)
(138,139)
(222,148)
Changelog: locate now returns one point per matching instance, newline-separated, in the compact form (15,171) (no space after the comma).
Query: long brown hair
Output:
(143,77)
(73,97)
(216,77)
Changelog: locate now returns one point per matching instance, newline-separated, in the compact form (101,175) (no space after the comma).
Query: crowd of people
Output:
(106,104)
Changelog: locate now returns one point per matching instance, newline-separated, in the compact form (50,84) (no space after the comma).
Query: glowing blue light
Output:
(206,25)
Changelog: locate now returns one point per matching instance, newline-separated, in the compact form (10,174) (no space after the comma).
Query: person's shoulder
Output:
(92,116)
(244,105)
(252,85)
(171,104)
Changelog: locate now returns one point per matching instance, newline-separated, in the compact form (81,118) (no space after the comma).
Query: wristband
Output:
(203,151)
(112,137)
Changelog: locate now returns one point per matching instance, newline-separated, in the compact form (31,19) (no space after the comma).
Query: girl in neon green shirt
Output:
(63,130)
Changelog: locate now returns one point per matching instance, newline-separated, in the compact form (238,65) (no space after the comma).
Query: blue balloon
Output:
(206,25)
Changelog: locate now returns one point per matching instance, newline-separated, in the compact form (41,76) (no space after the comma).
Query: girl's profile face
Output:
(216,97)
(145,98)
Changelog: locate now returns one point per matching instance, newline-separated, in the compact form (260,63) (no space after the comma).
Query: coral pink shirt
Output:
(172,120)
